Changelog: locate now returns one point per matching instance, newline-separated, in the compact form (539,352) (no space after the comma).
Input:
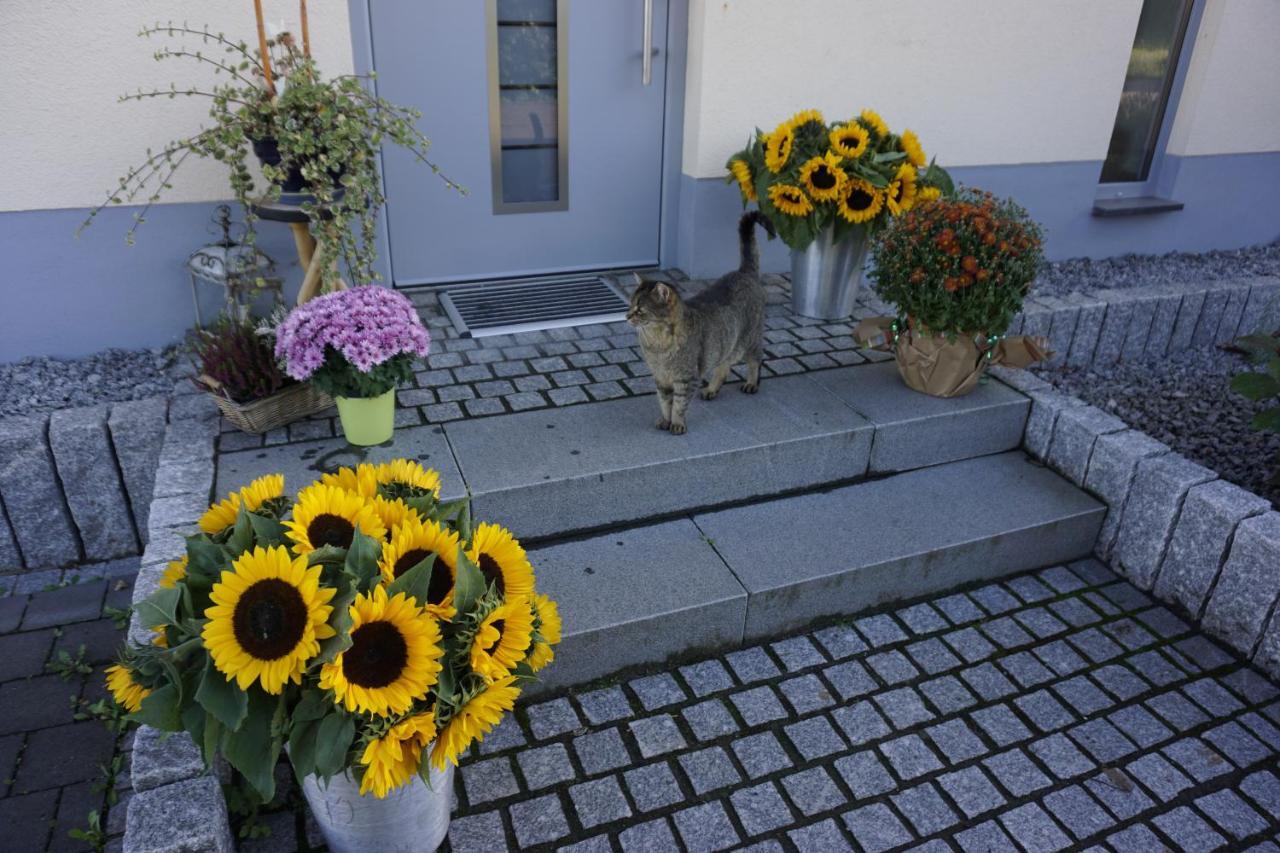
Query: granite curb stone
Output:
(32,495)
(182,817)
(137,433)
(1247,587)
(1151,511)
(91,481)
(1112,467)
(1075,432)
(1045,409)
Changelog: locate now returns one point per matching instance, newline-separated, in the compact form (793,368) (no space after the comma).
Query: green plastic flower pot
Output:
(368,420)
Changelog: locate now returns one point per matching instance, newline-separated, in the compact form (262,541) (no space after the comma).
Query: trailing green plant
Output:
(239,357)
(1262,384)
(65,665)
(328,132)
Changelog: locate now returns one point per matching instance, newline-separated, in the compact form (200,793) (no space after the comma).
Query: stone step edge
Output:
(1199,543)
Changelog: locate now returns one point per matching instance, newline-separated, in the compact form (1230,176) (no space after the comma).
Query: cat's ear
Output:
(664,292)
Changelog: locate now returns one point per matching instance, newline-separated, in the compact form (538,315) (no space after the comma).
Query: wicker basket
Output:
(284,407)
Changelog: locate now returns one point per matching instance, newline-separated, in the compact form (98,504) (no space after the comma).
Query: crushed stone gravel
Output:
(1084,274)
(35,385)
(1184,401)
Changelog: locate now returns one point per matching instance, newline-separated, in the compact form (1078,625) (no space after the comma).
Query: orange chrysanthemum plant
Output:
(809,174)
(364,624)
(958,266)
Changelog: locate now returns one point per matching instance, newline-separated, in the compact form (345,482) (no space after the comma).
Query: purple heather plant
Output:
(234,354)
(353,343)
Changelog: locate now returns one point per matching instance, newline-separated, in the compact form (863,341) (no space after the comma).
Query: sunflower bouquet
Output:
(809,175)
(367,626)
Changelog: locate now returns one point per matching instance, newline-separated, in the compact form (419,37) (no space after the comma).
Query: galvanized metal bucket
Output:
(825,275)
(413,818)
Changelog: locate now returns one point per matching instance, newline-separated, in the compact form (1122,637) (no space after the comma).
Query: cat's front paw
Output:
(750,387)
(708,394)
(678,429)
(663,423)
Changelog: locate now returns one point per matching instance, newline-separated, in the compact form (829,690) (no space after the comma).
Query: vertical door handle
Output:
(646,61)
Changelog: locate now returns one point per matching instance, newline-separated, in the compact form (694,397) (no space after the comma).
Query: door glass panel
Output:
(527,107)
(1152,64)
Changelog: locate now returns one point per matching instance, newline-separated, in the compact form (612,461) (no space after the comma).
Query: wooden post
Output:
(306,33)
(262,48)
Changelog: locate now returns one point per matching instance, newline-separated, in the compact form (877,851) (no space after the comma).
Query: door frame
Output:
(363,62)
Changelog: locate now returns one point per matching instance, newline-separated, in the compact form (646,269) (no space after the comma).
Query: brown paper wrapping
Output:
(933,365)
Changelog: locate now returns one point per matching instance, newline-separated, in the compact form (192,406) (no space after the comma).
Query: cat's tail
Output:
(747,239)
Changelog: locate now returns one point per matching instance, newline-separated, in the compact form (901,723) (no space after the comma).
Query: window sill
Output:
(1134,206)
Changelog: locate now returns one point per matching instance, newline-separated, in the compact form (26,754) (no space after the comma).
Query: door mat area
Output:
(507,307)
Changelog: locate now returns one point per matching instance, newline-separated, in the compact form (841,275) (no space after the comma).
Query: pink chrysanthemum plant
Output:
(360,342)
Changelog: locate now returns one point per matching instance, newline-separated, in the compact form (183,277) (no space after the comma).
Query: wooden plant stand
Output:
(304,241)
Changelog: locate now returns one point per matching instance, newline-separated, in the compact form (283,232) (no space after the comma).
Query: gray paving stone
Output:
(706,677)
(1151,511)
(1001,725)
(864,774)
(797,653)
(1159,776)
(910,757)
(706,828)
(925,809)
(545,766)
(1177,710)
(656,735)
(1194,757)
(709,720)
(861,722)
(1103,741)
(1242,600)
(539,820)
(1136,837)
(548,719)
(893,667)
(657,691)
(478,832)
(1188,830)
(995,599)
(1095,645)
(1074,611)
(761,754)
(1061,756)
(932,656)
(956,741)
(988,682)
(605,705)
(876,828)
(1112,468)
(653,786)
(1140,726)
(1211,696)
(489,780)
(969,644)
(903,707)
(807,693)
(1236,817)
(812,791)
(880,630)
(1026,669)
(752,665)
(1032,827)
(821,837)
(1264,789)
(32,497)
(182,816)
(758,705)
(959,608)
(651,837)
(986,837)
(1016,773)
(814,738)
(971,791)
(1029,589)
(947,694)
(1007,633)
(1235,742)
(709,770)
(601,751)
(840,641)
(1075,433)
(599,801)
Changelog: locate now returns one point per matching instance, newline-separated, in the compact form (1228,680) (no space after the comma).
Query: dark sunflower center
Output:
(859,199)
(822,179)
(441,583)
(492,572)
(330,529)
(269,619)
(895,190)
(499,625)
(377,655)
(409,560)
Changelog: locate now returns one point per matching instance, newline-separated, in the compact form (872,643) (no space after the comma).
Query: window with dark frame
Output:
(1153,62)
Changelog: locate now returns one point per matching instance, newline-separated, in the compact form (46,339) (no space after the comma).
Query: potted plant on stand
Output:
(827,188)
(355,345)
(957,269)
(365,630)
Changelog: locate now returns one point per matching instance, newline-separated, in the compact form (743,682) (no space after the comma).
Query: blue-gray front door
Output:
(541,110)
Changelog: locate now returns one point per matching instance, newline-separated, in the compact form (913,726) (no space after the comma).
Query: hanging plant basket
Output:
(293,403)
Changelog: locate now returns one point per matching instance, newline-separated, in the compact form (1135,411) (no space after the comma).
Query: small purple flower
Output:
(367,325)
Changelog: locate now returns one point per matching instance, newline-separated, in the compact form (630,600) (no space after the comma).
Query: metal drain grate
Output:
(504,308)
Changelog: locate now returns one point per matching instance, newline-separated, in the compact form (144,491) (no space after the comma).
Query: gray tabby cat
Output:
(685,340)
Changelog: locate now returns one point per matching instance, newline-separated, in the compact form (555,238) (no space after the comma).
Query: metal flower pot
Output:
(413,818)
(826,273)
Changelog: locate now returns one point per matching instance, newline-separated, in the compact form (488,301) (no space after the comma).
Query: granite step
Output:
(711,580)
(578,469)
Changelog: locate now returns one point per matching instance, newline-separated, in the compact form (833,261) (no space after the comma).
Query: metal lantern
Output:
(241,270)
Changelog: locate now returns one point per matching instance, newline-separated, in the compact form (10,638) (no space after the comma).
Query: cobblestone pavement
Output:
(476,377)
(56,758)
(1061,708)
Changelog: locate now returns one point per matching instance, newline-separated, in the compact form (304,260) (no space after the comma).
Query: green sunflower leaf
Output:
(241,538)
(333,740)
(250,749)
(340,621)
(313,705)
(416,581)
(362,560)
(222,697)
(889,157)
(212,736)
(469,584)
(205,557)
(302,747)
(161,710)
(1255,386)
(159,608)
(267,531)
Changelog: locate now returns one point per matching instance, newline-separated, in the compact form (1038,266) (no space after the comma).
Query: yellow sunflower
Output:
(871,119)
(822,177)
(268,616)
(218,517)
(393,759)
(502,639)
(900,195)
(261,490)
(913,149)
(412,543)
(127,692)
(547,617)
(410,475)
(742,174)
(928,194)
(174,572)
(790,200)
(803,117)
(329,515)
(849,140)
(473,720)
(362,480)
(860,201)
(777,147)
(502,561)
(394,656)
(392,512)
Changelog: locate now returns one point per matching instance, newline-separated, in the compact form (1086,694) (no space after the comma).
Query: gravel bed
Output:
(1184,402)
(1083,274)
(43,384)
